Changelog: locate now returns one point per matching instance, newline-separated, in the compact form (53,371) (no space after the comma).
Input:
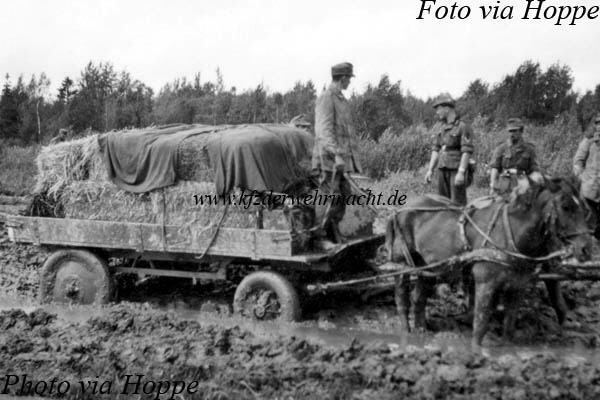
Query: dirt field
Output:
(169,339)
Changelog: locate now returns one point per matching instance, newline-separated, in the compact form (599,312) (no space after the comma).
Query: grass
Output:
(17,169)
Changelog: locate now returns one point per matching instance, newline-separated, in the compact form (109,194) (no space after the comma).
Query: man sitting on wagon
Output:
(512,159)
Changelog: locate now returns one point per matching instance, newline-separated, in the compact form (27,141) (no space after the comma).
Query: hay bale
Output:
(78,160)
(63,163)
(104,201)
(73,183)
(193,162)
(42,206)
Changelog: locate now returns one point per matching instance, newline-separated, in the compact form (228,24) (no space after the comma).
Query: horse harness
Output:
(465,218)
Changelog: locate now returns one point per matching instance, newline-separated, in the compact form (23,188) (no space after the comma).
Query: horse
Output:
(537,219)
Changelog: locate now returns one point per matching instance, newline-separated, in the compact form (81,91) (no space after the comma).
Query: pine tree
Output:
(10,119)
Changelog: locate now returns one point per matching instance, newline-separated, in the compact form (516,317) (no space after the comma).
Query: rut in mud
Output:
(137,349)
(217,357)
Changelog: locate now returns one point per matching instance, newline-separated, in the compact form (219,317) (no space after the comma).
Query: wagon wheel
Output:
(75,276)
(266,295)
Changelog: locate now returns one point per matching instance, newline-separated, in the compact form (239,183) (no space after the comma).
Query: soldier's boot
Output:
(323,239)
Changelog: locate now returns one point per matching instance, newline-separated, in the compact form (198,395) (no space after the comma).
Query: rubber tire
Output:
(94,275)
(286,293)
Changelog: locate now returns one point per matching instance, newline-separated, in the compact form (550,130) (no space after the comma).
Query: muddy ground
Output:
(178,338)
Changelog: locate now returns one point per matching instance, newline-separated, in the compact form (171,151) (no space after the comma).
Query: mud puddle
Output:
(339,335)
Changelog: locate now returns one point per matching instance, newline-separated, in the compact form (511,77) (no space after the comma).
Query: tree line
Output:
(103,99)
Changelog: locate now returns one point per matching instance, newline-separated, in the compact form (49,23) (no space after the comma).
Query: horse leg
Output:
(423,289)
(402,297)
(557,300)
(486,285)
(511,308)
(468,289)
(471,291)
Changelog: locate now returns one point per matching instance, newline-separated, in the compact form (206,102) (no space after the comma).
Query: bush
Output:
(17,169)
(412,184)
(555,145)
(409,150)
(405,151)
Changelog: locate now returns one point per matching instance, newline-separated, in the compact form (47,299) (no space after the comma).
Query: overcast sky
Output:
(280,42)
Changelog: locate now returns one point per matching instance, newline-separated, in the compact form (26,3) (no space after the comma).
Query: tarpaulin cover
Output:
(253,157)
(142,160)
(258,157)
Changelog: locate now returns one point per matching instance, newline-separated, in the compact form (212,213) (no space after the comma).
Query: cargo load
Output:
(155,176)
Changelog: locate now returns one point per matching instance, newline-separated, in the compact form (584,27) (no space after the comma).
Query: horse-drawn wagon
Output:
(77,269)
(98,228)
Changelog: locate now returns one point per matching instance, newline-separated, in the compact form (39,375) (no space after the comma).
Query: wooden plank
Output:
(89,233)
(149,237)
(273,243)
(141,237)
(229,241)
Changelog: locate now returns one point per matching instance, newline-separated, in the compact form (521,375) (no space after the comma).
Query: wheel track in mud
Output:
(233,362)
(238,364)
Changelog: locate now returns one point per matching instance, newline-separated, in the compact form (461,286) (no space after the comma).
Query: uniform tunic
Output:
(335,136)
(518,156)
(334,131)
(587,158)
(452,140)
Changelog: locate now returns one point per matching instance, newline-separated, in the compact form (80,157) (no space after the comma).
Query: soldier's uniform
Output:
(335,137)
(300,121)
(452,140)
(586,166)
(513,160)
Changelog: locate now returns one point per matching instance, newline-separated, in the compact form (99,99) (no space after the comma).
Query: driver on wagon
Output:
(512,159)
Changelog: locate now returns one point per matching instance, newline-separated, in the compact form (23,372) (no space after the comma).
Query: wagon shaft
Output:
(490,255)
(574,271)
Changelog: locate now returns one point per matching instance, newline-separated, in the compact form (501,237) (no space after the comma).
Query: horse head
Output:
(561,211)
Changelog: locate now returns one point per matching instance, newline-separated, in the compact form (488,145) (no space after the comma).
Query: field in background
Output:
(396,161)
(17,169)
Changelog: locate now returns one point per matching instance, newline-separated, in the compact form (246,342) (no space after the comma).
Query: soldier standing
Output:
(451,151)
(336,148)
(512,159)
(301,122)
(586,166)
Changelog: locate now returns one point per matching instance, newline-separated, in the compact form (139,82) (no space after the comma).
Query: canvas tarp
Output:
(254,157)
(258,157)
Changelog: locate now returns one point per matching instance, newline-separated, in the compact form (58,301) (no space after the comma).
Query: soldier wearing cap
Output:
(63,135)
(451,151)
(336,147)
(586,166)
(511,159)
(300,121)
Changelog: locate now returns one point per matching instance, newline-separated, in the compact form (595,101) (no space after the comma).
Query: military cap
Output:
(344,68)
(444,99)
(514,124)
(597,119)
(300,120)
